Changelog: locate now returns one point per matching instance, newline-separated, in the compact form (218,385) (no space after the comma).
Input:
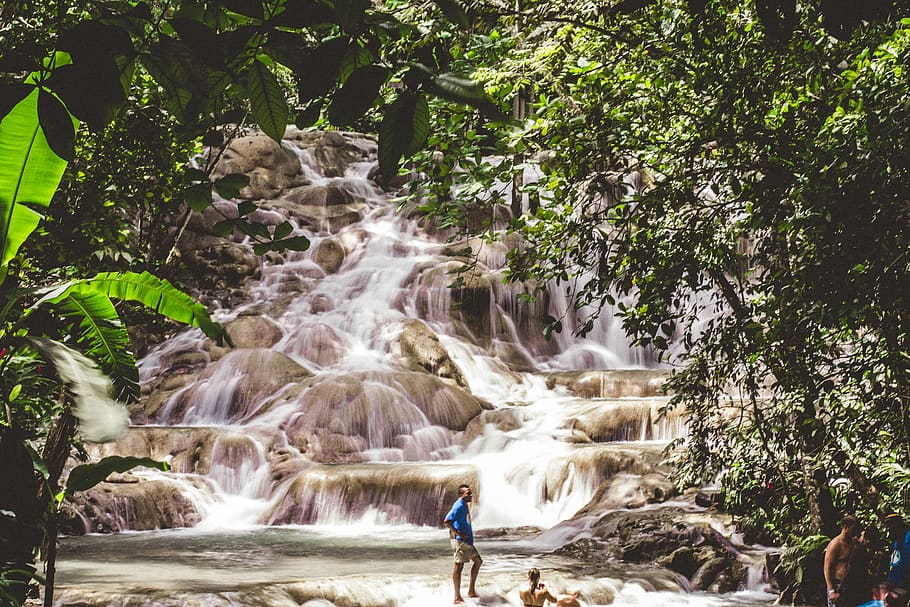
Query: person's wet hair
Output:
(533,577)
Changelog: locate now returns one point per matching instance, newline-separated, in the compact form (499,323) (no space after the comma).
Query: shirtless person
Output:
(537,593)
(837,560)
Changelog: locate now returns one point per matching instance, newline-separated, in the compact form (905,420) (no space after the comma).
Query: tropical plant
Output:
(82,312)
(202,71)
(729,178)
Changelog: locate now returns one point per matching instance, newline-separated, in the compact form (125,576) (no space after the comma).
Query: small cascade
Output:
(314,461)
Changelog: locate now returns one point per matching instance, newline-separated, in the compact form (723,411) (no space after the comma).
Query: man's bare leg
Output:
(475,569)
(456,580)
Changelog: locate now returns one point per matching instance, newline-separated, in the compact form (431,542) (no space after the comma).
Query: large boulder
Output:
(319,343)
(611,384)
(271,167)
(253,332)
(419,494)
(329,254)
(339,417)
(131,503)
(677,539)
(333,152)
(421,346)
(232,389)
(324,208)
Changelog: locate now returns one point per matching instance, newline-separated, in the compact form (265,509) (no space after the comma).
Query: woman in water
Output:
(537,593)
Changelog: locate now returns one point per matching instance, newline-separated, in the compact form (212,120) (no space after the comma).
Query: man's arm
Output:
(451,525)
(831,558)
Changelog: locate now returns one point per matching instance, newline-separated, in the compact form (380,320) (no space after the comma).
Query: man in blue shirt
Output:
(899,571)
(458,520)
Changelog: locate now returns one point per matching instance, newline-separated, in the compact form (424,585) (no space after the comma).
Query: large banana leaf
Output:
(30,172)
(104,338)
(155,293)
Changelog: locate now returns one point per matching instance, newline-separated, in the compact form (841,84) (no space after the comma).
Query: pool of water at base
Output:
(341,567)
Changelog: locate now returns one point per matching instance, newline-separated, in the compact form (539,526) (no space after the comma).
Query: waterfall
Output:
(317,458)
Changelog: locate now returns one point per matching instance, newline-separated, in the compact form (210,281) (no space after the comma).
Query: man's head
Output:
(895,525)
(850,526)
(465,493)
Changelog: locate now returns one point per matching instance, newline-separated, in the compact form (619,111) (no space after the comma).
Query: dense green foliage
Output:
(154,83)
(731,176)
(734,181)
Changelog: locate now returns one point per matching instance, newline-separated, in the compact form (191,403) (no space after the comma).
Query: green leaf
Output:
(453,12)
(403,130)
(57,125)
(30,172)
(172,64)
(86,476)
(359,92)
(11,95)
(38,464)
(269,107)
(456,88)
(250,8)
(308,116)
(318,69)
(198,196)
(282,230)
(223,228)
(104,337)
(229,186)
(176,97)
(295,243)
(155,293)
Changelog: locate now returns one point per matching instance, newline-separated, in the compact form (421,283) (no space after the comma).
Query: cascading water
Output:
(312,463)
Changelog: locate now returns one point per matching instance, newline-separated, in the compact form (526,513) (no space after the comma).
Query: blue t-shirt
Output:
(899,572)
(461,520)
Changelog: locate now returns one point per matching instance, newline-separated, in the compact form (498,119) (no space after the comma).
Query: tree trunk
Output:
(56,452)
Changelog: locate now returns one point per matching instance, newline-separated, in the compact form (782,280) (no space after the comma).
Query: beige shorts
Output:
(464,552)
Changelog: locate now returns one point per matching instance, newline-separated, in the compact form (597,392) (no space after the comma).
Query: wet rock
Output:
(233,388)
(676,539)
(139,506)
(339,416)
(219,267)
(189,450)
(334,151)
(503,420)
(421,346)
(253,332)
(683,560)
(483,309)
(585,550)
(318,343)
(321,303)
(416,494)
(329,254)
(610,384)
(325,208)
(271,167)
